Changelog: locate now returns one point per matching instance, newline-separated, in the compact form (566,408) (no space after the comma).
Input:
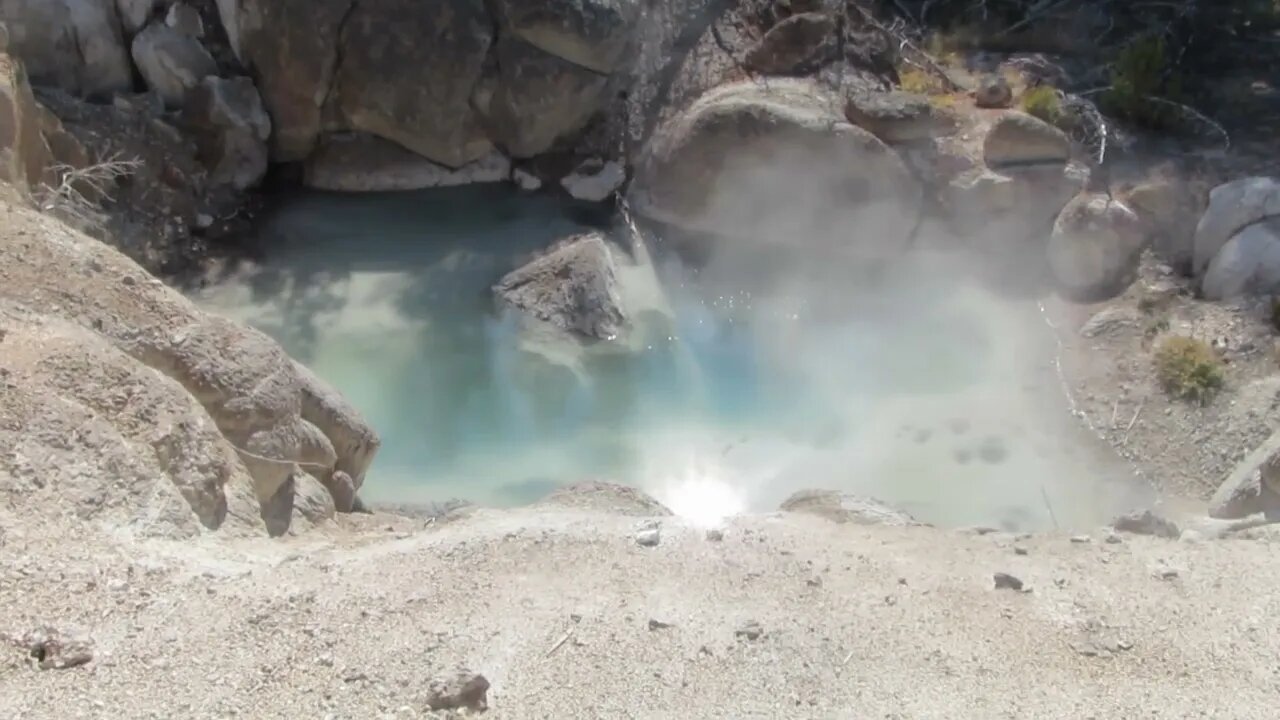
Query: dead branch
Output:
(81,191)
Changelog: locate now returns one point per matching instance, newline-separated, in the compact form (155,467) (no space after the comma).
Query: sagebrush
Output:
(1188,369)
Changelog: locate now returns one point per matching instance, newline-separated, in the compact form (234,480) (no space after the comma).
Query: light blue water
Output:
(716,398)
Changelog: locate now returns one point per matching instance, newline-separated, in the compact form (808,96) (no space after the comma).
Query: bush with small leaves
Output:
(1043,102)
(1188,369)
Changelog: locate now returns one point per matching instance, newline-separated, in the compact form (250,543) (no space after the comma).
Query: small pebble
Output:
(1081,539)
(1005,581)
(648,537)
(750,631)
(1019,550)
(715,535)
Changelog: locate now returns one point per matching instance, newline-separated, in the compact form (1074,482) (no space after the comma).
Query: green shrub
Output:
(1141,78)
(1043,102)
(1188,369)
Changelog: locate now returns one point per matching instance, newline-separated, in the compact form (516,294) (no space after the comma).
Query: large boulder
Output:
(72,44)
(1249,264)
(573,285)
(232,128)
(171,62)
(291,46)
(355,162)
(797,43)
(594,34)
(1233,207)
(1020,139)
(1094,248)
(776,166)
(25,157)
(1171,209)
(535,98)
(407,73)
(134,14)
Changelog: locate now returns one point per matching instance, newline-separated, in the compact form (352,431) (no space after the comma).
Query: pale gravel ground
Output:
(283,629)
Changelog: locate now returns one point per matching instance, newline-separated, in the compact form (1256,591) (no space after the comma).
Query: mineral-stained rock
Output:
(573,285)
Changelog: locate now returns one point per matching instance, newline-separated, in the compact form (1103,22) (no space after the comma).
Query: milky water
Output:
(923,390)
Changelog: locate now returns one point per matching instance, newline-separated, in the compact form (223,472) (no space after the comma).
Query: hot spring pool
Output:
(924,391)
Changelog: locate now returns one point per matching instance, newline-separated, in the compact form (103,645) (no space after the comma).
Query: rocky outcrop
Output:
(777,164)
(1094,248)
(797,43)
(406,73)
(75,45)
(573,285)
(365,163)
(229,123)
(271,419)
(1020,139)
(1233,207)
(1249,264)
(844,508)
(1252,487)
(535,98)
(171,62)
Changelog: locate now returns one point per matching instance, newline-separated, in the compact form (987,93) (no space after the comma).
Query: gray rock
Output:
(343,491)
(573,285)
(534,98)
(1170,209)
(407,74)
(232,129)
(185,19)
(1005,581)
(1252,487)
(1233,207)
(1146,522)
(842,508)
(898,117)
(993,92)
(649,537)
(75,45)
(775,167)
(1094,248)
(797,43)
(1248,264)
(750,631)
(58,649)
(462,690)
(1020,139)
(594,180)
(356,162)
(526,180)
(171,62)
(594,34)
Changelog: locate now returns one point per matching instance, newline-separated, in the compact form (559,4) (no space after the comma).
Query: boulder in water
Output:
(573,285)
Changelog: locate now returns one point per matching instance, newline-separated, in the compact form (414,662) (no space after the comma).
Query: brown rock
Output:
(798,43)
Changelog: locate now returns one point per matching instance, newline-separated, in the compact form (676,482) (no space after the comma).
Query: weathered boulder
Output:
(898,117)
(573,285)
(291,48)
(407,73)
(171,62)
(1252,487)
(798,43)
(534,98)
(1249,264)
(844,508)
(185,19)
(594,34)
(775,165)
(1094,248)
(355,162)
(594,180)
(993,92)
(231,128)
(1233,207)
(1020,139)
(1171,211)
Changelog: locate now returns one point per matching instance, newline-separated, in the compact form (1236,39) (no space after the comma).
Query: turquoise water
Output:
(720,399)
